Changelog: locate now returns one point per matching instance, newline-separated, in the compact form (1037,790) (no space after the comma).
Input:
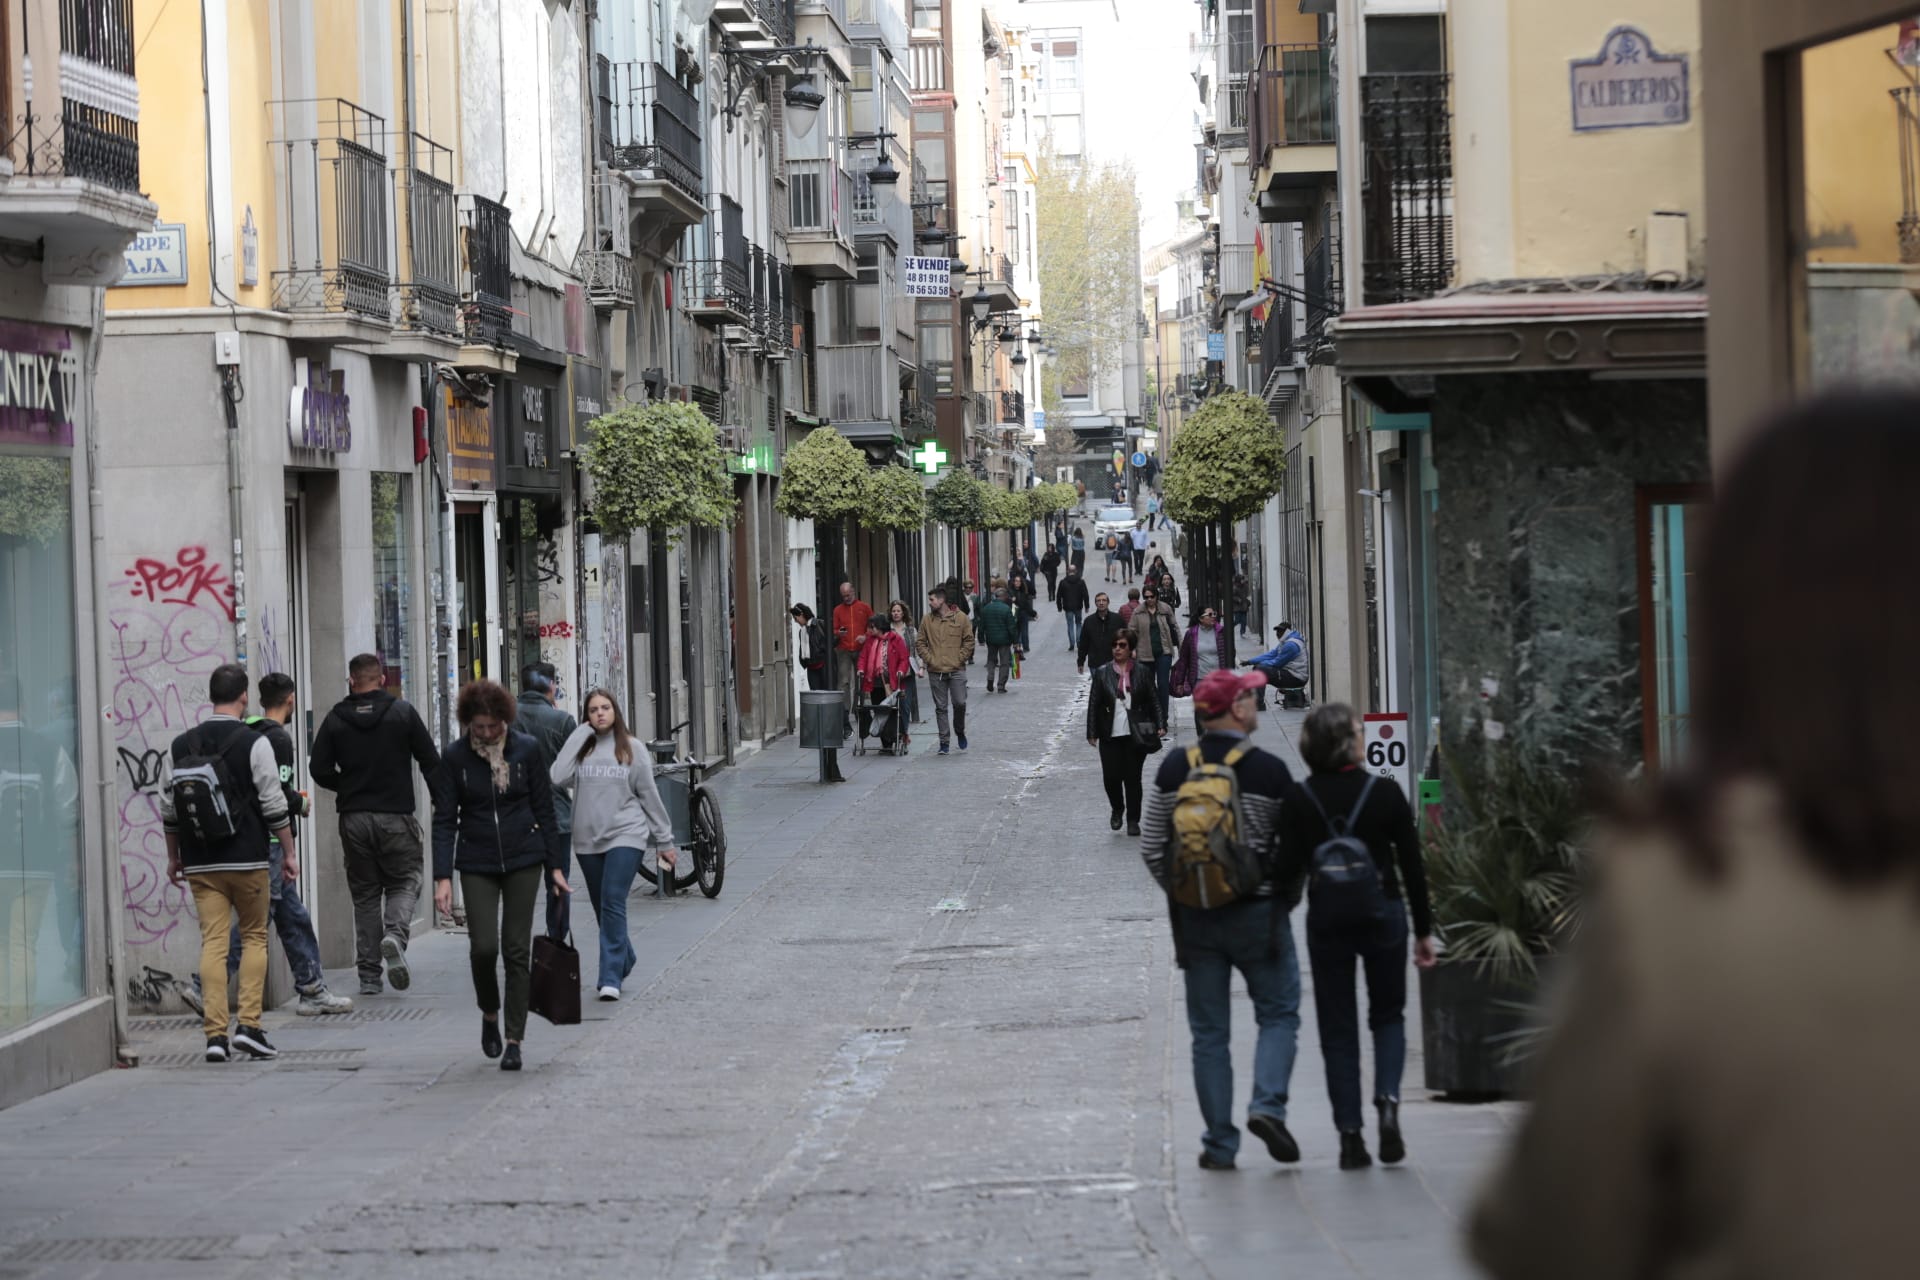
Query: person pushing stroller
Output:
(883,667)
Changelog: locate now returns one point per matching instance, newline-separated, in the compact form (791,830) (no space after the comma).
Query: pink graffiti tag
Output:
(189,577)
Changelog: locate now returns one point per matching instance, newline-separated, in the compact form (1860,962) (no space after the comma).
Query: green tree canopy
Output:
(958,501)
(1006,509)
(1226,461)
(657,466)
(895,500)
(1087,229)
(822,478)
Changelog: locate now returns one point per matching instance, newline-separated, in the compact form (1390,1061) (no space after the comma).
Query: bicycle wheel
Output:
(709,844)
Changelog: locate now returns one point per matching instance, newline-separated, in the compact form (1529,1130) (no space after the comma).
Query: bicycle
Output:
(697,827)
(151,987)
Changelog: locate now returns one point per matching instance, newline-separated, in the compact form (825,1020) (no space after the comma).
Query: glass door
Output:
(1671,541)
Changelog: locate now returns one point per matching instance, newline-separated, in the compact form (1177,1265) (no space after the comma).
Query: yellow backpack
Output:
(1212,864)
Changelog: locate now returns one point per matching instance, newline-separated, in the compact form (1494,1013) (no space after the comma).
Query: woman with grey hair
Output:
(1356,915)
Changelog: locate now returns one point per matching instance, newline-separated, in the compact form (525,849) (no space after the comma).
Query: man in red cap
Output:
(1249,933)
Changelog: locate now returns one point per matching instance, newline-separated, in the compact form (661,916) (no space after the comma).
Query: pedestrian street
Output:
(932,1028)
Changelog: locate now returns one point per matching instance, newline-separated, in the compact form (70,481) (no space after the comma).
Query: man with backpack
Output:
(285,911)
(220,806)
(1208,839)
(362,754)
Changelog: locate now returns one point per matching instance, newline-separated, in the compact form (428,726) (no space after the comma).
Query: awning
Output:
(863,431)
(1624,332)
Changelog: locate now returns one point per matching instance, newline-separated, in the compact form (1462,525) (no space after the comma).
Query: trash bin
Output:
(823,719)
(677,796)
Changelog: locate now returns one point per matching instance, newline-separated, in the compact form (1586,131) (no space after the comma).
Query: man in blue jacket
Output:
(1285,665)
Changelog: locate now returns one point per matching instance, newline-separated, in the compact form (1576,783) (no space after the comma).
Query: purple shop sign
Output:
(39,384)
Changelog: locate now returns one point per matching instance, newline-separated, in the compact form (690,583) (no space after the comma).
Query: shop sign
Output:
(319,414)
(588,388)
(1216,345)
(1629,85)
(927,277)
(158,256)
(533,427)
(470,455)
(39,384)
(249,250)
(530,409)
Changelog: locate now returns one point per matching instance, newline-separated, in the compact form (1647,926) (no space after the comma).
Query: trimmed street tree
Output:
(895,500)
(1227,460)
(822,478)
(958,501)
(657,466)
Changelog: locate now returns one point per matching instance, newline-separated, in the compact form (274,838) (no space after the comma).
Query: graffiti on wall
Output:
(167,638)
(556,608)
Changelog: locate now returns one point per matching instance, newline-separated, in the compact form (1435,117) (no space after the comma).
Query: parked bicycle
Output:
(150,989)
(697,827)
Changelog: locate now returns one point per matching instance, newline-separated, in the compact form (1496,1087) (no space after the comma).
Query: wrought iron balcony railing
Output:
(858,382)
(427,296)
(486,235)
(88,129)
(1406,187)
(1013,406)
(1320,271)
(1290,98)
(331,162)
(607,263)
(652,125)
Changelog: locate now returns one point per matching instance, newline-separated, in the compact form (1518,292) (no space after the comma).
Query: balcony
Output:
(881,20)
(930,66)
(997,282)
(858,382)
(824,23)
(69,141)
(1230,112)
(486,318)
(1406,189)
(606,263)
(330,163)
(1320,282)
(1290,128)
(1235,271)
(650,131)
(820,219)
(1013,407)
(756,24)
(718,286)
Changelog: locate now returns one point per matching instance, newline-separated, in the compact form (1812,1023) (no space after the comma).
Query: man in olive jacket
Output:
(945,646)
(999,630)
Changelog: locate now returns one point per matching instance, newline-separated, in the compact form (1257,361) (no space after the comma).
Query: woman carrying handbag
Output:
(493,823)
(1203,651)
(617,816)
(1126,722)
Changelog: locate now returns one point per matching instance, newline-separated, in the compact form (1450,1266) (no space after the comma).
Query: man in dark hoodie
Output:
(361,754)
(549,726)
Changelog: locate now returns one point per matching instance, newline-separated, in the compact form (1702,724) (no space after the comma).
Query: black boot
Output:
(1393,1148)
(1353,1150)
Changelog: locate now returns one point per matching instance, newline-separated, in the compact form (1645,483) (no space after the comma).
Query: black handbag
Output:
(555,993)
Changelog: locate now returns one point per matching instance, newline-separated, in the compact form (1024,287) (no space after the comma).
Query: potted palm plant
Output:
(1503,871)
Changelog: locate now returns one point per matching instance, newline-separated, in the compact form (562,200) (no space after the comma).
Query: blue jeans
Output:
(1073,628)
(1380,947)
(288,916)
(1163,682)
(1212,945)
(610,877)
(1022,641)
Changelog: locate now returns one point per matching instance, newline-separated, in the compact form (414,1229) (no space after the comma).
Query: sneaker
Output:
(1353,1151)
(394,952)
(216,1049)
(190,997)
(253,1042)
(490,1037)
(1114,819)
(1210,1161)
(372,987)
(1272,1130)
(963,741)
(510,1060)
(321,1001)
(609,993)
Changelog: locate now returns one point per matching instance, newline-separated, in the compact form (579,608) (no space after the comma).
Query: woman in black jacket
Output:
(1020,596)
(493,823)
(1123,717)
(1338,794)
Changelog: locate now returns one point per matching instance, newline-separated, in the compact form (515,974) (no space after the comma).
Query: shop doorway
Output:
(288,650)
(474,573)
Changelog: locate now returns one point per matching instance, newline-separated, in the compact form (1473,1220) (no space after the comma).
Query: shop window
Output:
(42,922)
(1671,522)
(392,578)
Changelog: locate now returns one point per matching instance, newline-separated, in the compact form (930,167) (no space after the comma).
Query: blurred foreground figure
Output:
(1731,1090)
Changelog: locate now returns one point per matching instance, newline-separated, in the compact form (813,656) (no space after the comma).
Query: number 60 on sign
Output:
(1389,752)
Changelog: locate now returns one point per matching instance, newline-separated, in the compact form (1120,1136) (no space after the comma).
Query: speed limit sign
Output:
(1389,750)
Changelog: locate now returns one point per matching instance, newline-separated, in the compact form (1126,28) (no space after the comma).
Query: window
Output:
(391,579)
(1063,71)
(936,354)
(42,915)
(926,15)
(1006,96)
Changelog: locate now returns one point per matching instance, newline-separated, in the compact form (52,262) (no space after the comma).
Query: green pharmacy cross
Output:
(930,456)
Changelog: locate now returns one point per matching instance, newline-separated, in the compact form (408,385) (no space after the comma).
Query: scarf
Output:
(1124,675)
(495,754)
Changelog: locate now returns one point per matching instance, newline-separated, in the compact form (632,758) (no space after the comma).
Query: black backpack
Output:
(205,800)
(1343,880)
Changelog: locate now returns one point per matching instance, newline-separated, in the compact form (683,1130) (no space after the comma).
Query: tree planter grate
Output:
(125,1249)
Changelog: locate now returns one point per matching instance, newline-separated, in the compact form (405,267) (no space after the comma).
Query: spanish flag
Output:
(1262,272)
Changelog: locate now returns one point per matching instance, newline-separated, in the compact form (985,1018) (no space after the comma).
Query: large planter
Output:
(1470,1026)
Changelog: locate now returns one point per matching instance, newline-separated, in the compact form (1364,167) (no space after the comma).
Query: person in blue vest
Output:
(1285,665)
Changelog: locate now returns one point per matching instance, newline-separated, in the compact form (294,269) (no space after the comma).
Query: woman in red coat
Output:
(884,665)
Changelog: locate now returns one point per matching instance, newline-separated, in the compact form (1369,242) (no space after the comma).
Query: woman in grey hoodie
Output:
(617,815)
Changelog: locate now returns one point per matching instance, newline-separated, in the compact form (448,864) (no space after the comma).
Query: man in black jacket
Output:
(1072,599)
(361,754)
(1097,633)
(548,725)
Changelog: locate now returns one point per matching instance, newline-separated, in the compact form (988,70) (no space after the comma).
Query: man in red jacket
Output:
(849,633)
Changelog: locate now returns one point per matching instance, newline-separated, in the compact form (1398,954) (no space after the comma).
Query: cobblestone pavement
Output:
(931,1027)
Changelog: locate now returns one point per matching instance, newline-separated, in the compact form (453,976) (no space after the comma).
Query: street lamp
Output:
(803,97)
(883,173)
(982,306)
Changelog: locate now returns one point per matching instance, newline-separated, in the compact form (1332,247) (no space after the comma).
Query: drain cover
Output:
(323,1057)
(125,1249)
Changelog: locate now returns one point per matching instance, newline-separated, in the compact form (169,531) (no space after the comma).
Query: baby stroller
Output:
(882,718)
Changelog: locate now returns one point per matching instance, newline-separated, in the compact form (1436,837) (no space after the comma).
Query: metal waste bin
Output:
(823,719)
